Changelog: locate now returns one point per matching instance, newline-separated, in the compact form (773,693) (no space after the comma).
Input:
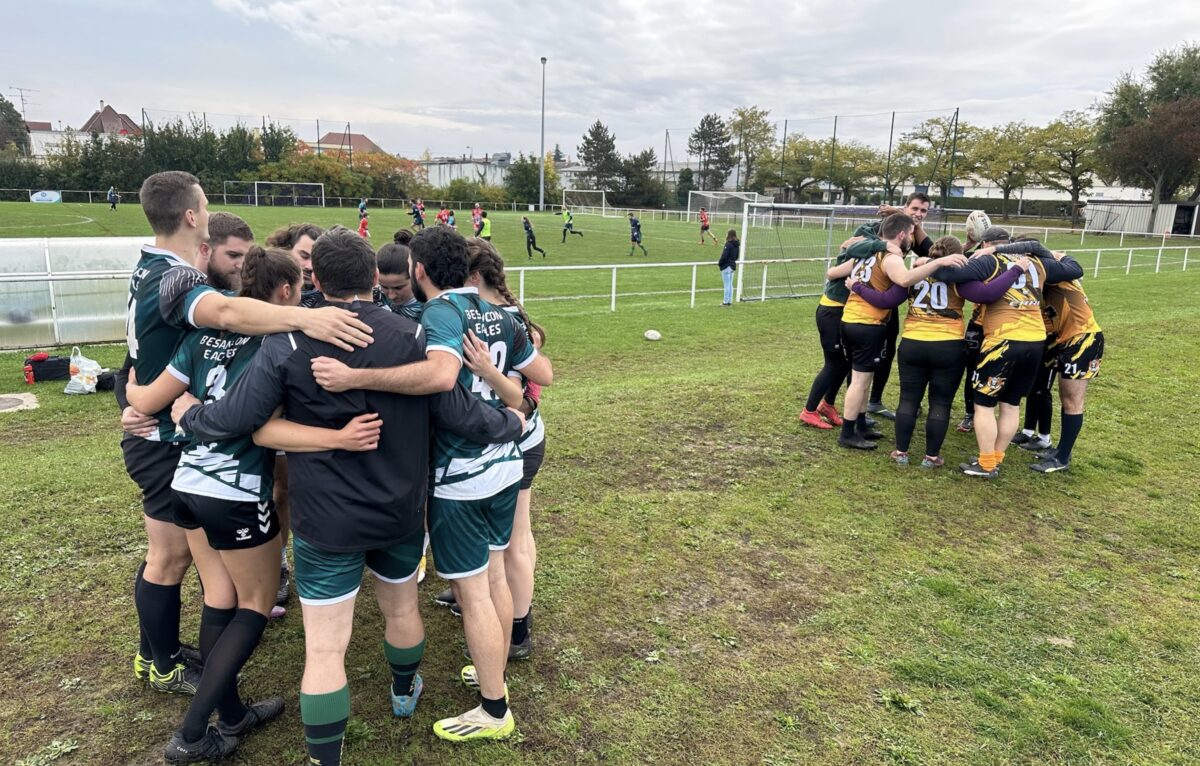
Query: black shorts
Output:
(1006,371)
(533,458)
(152,465)
(1078,357)
(229,525)
(974,337)
(703,227)
(865,344)
(829,328)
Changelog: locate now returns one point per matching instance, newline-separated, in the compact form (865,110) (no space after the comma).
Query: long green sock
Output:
(324,717)
(404,664)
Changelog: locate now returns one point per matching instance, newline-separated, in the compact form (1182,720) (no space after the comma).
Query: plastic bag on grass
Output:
(84,373)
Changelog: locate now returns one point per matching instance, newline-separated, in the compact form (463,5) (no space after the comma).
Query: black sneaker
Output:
(1037,444)
(1047,452)
(855,442)
(257,714)
(183,678)
(211,746)
(973,468)
(191,655)
(445,598)
(1050,464)
(871,434)
(870,422)
(1020,438)
(521,651)
(966,425)
(285,590)
(878,408)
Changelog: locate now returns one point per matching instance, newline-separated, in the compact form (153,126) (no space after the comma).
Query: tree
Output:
(1067,158)
(855,165)
(641,185)
(805,162)
(713,145)
(391,177)
(685,183)
(278,142)
(753,135)
(598,153)
(339,180)
(926,149)
(1159,153)
(1124,115)
(557,156)
(1005,156)
(12,127)
(521,181)
(238,151)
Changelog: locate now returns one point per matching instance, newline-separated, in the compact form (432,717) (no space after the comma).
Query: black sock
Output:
(213,624)
(223,661)
(520,628)
(143,642)
(1071,426)
(860,423)
(495,708)
(848,427)
(158,614)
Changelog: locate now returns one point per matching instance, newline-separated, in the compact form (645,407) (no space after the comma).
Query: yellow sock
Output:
(987,460)
(999,457)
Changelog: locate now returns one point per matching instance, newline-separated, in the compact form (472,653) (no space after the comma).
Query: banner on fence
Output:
(45,196)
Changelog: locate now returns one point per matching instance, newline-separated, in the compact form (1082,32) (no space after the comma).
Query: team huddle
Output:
(373,406)
(1031,323)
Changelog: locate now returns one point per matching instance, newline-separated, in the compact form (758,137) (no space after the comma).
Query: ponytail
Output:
(482,259)
(265,270)
(945,246)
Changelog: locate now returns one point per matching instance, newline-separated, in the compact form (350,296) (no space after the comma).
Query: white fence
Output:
(64,291)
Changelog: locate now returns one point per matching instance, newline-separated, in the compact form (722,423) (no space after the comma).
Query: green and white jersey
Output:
(466,470)
(209,362)
(163,293)
(535,429)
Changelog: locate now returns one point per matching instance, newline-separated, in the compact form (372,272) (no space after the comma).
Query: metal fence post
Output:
(1129,261)
(613,305)
(1122,242)
(1158,261)
(521,288)
(764,282)
(50,290)
(1186,250)
(1096,272)
(694,285)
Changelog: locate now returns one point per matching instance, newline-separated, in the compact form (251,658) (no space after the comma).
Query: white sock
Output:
(1027,431)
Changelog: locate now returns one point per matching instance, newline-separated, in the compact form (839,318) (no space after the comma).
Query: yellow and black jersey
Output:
(869,271)
(1017,315)
(935,312)
(827,301)
(1068,312)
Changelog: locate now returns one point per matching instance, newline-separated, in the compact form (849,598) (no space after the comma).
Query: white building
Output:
(490,169)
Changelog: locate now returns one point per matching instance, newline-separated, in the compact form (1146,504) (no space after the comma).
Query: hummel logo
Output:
(243,533)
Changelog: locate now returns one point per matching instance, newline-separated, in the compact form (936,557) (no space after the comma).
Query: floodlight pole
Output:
(542,146)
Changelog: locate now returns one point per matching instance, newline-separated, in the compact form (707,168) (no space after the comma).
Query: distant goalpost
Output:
(722,205)
(585,201)
(273,193)
(787,248)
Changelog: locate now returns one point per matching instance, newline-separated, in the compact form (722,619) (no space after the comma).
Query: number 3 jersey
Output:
(466,470)
(208,362)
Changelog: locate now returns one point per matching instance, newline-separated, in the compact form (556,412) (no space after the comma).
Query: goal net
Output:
(585,201)
(273,193)
(722,206)
(787,248)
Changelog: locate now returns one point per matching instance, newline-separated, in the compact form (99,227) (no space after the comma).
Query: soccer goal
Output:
(787,248)
(722,206)
(273,193)
(585,201)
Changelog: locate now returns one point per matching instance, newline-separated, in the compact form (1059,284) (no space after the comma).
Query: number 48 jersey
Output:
(466,470)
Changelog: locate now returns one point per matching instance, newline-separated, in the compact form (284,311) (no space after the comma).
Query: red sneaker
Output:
(830,413)
(813,419)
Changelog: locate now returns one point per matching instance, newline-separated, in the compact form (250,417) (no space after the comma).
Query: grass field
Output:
(715,584)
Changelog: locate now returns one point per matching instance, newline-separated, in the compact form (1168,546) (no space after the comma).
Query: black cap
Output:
(995,234)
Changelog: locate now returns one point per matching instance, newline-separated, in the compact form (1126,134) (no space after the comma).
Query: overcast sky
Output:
(445,76)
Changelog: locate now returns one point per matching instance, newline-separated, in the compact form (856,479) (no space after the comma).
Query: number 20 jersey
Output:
(935,312)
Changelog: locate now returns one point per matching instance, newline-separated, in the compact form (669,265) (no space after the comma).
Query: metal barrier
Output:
(65,291)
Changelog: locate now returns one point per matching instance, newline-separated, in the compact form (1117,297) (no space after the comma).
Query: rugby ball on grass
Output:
(977,223)
(653,335)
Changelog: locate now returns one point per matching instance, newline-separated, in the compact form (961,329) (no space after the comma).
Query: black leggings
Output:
(531,245)
(884,370)
(1039,406)
(974,340)
(937,364)
(837,367)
